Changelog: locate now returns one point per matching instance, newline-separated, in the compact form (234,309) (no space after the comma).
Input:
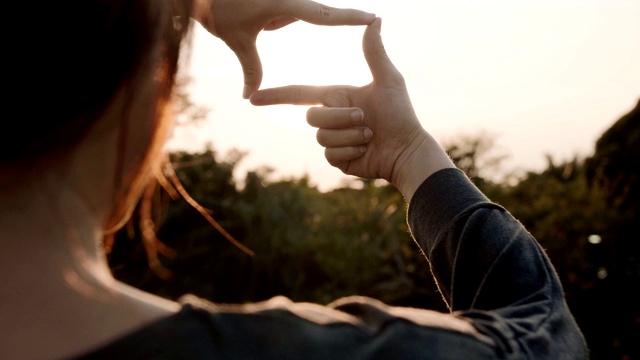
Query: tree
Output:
(613,172)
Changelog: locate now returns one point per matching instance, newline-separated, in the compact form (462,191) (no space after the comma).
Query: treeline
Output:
(315,246)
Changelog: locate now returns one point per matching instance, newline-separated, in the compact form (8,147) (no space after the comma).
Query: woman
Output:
(79,172)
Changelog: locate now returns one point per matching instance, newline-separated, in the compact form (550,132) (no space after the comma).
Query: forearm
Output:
(491,270)
(420,160)
(474,244)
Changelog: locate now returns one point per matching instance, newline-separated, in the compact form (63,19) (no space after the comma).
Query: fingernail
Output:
(368,134)
(362,149)
(357,116)
(246,91)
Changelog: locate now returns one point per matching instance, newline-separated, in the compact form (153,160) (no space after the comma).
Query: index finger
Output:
(302,95)
(320,14)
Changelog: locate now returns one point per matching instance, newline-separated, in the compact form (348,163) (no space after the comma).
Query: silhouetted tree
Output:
(614,173)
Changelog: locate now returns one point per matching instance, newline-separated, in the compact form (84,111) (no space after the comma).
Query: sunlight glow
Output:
(337,59)
(289,117)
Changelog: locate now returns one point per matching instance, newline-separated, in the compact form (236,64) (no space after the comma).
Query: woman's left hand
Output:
(238,24)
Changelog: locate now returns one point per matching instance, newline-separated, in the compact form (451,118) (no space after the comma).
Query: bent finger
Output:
(334,118)
(344,137)
(247,53)
(382,69)
(341,156)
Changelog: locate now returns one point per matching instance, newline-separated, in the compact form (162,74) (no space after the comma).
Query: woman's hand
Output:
(370,131)
(238,23)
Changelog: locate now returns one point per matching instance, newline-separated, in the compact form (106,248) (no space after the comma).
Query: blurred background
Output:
(537,101)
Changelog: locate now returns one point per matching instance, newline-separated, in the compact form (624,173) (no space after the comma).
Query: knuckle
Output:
(323,12)
(249,71)
(337,98)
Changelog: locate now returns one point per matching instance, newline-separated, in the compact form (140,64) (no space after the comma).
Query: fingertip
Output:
(370,18)
(367,134)
(256,98)
(357,116)
(377,23)
(250,88)
(251,83)
(375,54)
(374,28)
(247,91)
(253,99)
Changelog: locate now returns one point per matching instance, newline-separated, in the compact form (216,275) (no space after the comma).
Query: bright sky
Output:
(542,76)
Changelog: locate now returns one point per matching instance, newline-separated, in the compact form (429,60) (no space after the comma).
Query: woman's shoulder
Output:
(351,327)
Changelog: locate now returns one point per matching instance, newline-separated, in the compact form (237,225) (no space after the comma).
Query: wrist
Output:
(417,163)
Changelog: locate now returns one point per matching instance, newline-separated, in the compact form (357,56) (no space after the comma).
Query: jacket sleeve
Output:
(490,270)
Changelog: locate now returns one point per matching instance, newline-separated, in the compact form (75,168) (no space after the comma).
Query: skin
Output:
(370,131)
(59,293)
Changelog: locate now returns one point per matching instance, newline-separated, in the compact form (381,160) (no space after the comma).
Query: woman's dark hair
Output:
(71,59)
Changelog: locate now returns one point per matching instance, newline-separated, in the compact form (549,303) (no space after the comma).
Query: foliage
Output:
(309,246)
(615,165)
(614,172)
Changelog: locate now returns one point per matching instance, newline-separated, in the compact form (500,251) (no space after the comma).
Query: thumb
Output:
(382,69)
(247,54)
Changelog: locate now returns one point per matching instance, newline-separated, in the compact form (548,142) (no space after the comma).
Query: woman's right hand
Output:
(370,131)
